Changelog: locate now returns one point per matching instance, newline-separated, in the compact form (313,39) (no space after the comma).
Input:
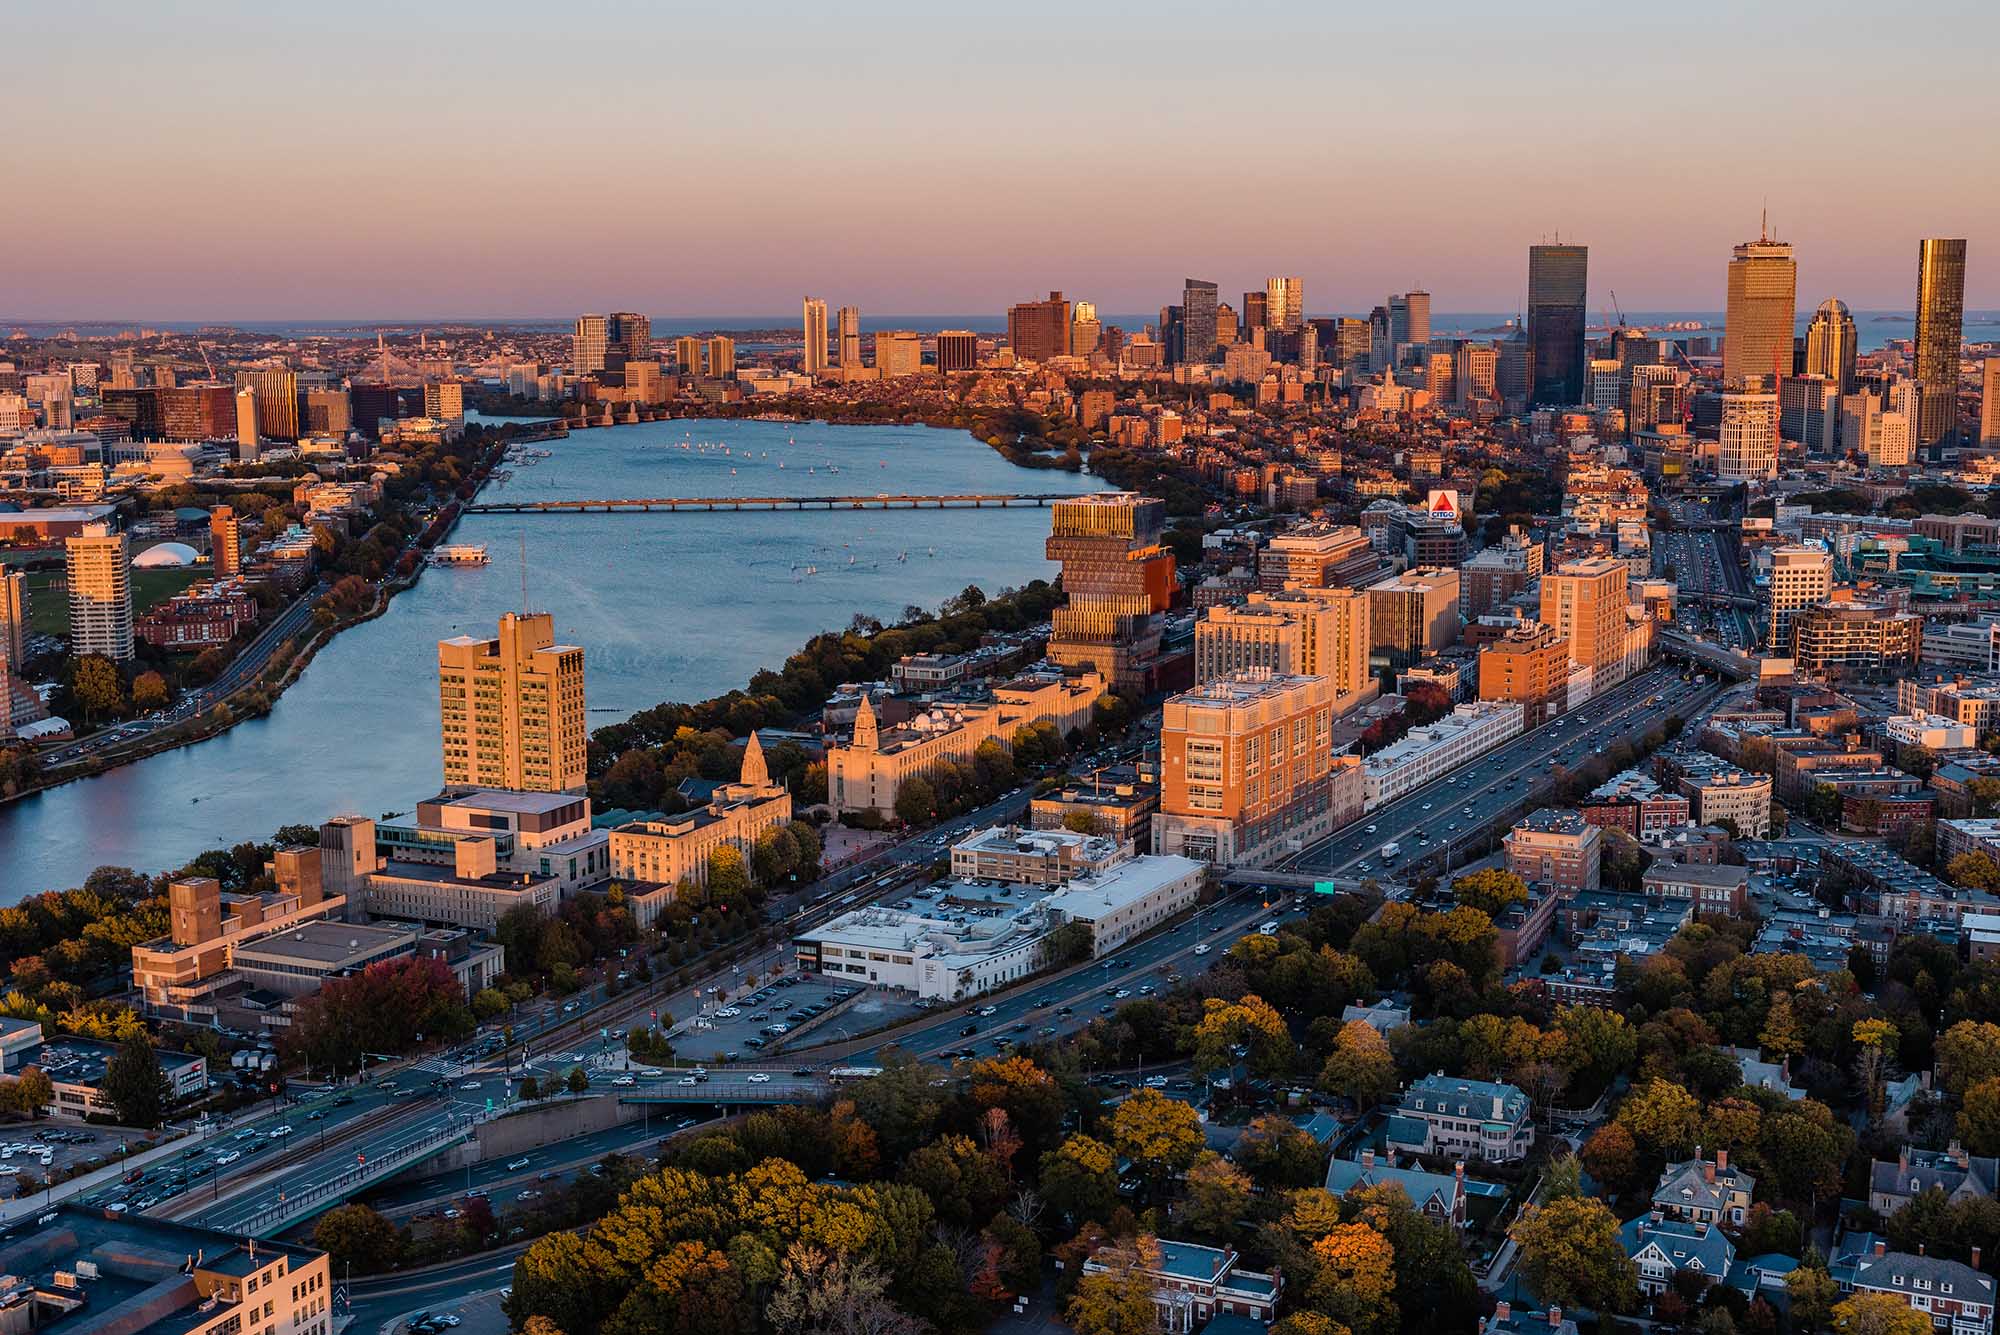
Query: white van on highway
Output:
(1268,929)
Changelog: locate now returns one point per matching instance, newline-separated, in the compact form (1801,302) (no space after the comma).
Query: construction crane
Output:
(1616,308)
(206,361)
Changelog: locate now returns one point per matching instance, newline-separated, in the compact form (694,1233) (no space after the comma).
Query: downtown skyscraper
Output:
(1284,302)
(1763,301)
(814,362)
(1198,302)
(1831,340)
(1558,281)
(1940,331)
(849,341)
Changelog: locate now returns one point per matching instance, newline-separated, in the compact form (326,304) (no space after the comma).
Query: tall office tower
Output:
(587,345)
(277,401)
(1830,344)
(1119,580)
(98,568)
(957,350)
(1256,311)
(1801,577)
(247,444)
(1510,374)
(1749,445)
(1085,329)
(1861,423)
(1603,384)
(83,378)
(1585,602)
(1417,315)
(687,354)
(13,619)
(1039,330)
(513,708)
(197,412)
(721,351)
(1478,366)
(1284,302)
(1808,407)
(898,352)
(1940,333)
(1198,301)
(328,412)
(1895,443)
(1763,305)
(631,332)
(225,541)
(1381,340)
(444,400)
(1989,402)
(1343,342)
(1558,288)
(814,321)
(1225,327)
(1411,616)
(847,325)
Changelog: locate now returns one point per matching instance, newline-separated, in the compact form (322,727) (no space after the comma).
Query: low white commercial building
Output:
(1035,857)
(1438,748)
(957,939)
(1933,732)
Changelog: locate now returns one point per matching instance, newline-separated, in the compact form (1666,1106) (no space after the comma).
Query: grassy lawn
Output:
(48,604)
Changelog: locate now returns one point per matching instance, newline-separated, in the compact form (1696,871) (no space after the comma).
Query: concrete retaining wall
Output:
(532,1128)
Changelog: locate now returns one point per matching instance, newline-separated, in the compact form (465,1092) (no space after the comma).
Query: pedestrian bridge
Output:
(968,500)
(728,1092)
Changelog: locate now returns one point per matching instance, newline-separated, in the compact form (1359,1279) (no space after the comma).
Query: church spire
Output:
(755,773)
(865,736)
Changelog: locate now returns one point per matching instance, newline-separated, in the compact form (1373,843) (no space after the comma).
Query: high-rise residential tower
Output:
(815,336)
(1039,330)
(1558,285)
(1801,577)
(1119,580)
(957,350)
(13,620)
(848,324)
(1830,344)
(247,441)
(1989,402)
(1940,332)
(1284,302)
(1763,302)
(721,353)
(1585,602)
(1198,302)
(1086,331)
(687,355)
(513,714)
(225,541)
(587,344)
(98,568)
(1748,449)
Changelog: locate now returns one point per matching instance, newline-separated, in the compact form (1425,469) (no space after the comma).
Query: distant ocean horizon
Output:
(1875,327)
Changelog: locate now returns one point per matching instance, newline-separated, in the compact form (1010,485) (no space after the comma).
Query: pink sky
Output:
(370,160)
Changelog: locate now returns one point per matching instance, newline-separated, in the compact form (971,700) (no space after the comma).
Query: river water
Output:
(667,607)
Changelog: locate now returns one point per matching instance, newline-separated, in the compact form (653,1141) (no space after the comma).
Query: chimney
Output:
(1458,1170)
(1555,1319)
(1881,1247)
(1708,1172)
(1502,1310)
(1722,1161)
(1975,1256)
(1498,1111)
(1367,1158)
(1903,1160)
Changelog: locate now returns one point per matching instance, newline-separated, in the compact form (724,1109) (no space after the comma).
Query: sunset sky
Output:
(371,160)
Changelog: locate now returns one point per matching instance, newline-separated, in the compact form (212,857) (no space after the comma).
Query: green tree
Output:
(1811,1292)
(577,1082)
(1979,1118)
(1080,1179)
(135,1084)
(1571,1255)
(728,876)
(916,802)
(356,1235)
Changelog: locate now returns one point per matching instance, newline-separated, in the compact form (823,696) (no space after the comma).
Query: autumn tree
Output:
(1161,1133)
(1611,1156)
(1879,1314)
(1974,871)
(97,686)
(1979,1117)
(1360,1067)
(1218,1194)
(28,1093)
(1663,1118)
(1080,1178)
(1251,1025)
(149,691)
(1968,1053)
(1355,1275)
(1571,1255)
(1117,1300)
(1811,1293)
(1491,890)
(356,1235)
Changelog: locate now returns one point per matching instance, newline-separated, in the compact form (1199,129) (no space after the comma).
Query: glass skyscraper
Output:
(1198,302)
(1940,330)
(1558,280)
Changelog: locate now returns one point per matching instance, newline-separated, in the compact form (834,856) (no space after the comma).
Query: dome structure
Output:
(166,555)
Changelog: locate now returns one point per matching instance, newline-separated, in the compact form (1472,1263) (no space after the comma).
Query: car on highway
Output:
(316,1115)
(229,1158)
(755,1078)
(469,1085)
(528,1194)
(515,1165)
(1202,949)
(280,1132)
(625,1080)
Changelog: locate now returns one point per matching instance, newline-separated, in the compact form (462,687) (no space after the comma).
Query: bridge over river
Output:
(881,500)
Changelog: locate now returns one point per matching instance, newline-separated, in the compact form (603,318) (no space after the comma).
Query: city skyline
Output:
(863,200)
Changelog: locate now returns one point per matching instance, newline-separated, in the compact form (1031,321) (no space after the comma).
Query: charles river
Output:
(666,606)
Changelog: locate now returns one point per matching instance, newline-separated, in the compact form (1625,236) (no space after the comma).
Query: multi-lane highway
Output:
(1458,811)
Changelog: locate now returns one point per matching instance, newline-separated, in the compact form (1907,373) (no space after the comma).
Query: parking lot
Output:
(760,1023)
(31,1155)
